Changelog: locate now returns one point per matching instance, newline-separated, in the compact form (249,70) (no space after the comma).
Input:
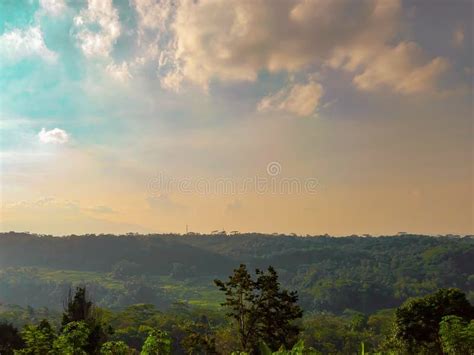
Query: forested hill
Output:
(330,274)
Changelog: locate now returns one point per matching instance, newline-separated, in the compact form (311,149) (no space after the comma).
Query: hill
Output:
(331,274)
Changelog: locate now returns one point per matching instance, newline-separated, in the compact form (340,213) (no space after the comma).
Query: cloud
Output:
(234,40)
(43,203)
(299,99)
(19,44)
(199,41)
(153,14)
(55,136)
(98,13)
(458,36)
(53,7)
(403,69)
(119,72)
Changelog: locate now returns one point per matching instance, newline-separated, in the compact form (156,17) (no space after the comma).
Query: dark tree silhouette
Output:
(240,300)
(277,310)
(10,339)
(80,308)
(261,309)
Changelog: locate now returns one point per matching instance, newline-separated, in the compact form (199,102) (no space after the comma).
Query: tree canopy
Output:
(261,309)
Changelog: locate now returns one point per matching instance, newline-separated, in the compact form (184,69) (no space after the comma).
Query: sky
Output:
(289,116)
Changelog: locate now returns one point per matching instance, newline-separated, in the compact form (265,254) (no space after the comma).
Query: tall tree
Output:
(240,301)
(277,310)
(79,308)
(262,310)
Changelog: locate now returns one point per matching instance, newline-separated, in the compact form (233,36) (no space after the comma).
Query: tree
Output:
(38,339)
(240,300)
(124,269)
(358,321)
(457,336)
(277,310)
(10,339)
(261,309)
(199,338)
(157,343)
(115,348)
(73,339)
(417,321)
(79,308)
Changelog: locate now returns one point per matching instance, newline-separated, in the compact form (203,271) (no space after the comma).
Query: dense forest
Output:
(260,317)
(332,275)
(162,294)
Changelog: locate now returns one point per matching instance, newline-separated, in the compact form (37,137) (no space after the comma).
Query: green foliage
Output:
(188,331)
(157,343)
(298,349)
(277,311)
(241,302)
(457,336)
(124,269)
(115,348)
(38,339)
(331,334)
(330,274)
(261,310)
(73,339)
(417,322)
(80,309)
(264,348)
(200,338)
(358,321)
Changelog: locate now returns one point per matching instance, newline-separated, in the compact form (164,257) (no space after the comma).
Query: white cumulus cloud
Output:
(53,7)
(19,44)
(232,40)
(99,13)
(55,136)
(298,99)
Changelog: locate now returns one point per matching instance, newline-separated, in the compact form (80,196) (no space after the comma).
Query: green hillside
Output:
(331,274)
